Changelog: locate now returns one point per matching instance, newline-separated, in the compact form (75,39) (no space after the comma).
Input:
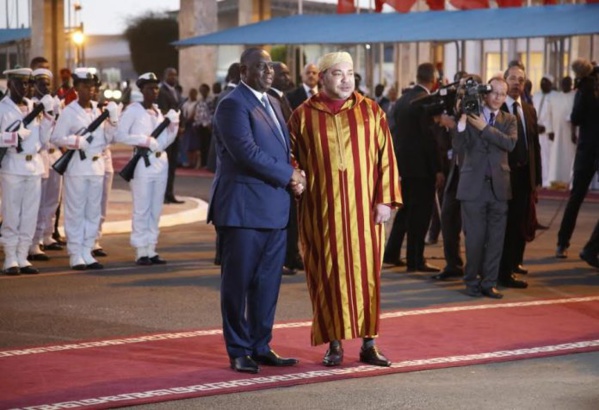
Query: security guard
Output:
(21,169)
(84,176)
(149,183)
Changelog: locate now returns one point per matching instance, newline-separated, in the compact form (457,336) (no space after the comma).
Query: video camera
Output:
(468,91)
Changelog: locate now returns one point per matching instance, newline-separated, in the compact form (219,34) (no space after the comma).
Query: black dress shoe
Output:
(244,364)
(41,257)
(143,261)
(288,271)
(29,270)
(94,266)
(54,246)
(12,271)
(592,260)
(447,274)
(473,291)
(394,262)
(561,252)
(374,357)
(79,267)
(273,359)
(157,260)
(59,239)
(425,267)
(99,253)
(521,270)
(172,200)
(513,282)
(491,293)
(333,356)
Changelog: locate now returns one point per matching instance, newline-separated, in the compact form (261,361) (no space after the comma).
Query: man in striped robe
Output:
(342,141)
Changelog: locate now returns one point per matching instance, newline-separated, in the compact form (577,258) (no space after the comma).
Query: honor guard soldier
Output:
(80,128)
(139,126)
(24,131)
(51,180)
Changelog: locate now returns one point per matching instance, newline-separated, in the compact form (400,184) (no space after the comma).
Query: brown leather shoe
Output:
(333,356)
(373,356)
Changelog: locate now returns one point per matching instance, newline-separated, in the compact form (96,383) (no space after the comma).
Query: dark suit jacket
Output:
(166,100)
(534,147)
(249,188)
(297,97)
(414,141)
(283,103)
(479,148)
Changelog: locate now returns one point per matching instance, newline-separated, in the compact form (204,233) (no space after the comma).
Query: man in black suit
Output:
(307,88)
(420,169)
(281,83)
(525,166)
(483,142)
(170,99)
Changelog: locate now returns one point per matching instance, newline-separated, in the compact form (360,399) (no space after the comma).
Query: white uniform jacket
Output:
(135,126)
(72,119)
(29,161)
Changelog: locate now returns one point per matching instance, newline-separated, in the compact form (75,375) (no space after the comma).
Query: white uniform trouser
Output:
(51,187)
(107,187)
(82,209)
(148,198)
(20,202)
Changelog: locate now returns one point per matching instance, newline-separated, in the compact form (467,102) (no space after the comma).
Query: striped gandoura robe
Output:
(350,167)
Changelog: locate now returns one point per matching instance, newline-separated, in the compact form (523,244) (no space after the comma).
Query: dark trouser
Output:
(484,229)
(205,135)
(413,219)
(518,206)
(292,254)
(592,246)
(451,225)
(250,282)
(173,155)
(584,168)
(435,226)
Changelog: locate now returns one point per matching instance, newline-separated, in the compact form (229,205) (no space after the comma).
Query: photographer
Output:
(584,115)
(483,141)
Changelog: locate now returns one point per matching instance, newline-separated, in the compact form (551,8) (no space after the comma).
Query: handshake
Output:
(298,182)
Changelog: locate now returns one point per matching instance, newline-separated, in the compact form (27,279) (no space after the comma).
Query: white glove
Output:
(153,144)
(382,213)
(83,144)
(113,112)
(173,116)
(23,132)
(48,102)
(8,139)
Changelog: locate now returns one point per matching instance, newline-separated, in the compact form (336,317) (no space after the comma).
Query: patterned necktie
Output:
(492,119)
(521,145)
(271,112)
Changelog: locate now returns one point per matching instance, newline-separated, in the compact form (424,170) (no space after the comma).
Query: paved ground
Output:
(60,306)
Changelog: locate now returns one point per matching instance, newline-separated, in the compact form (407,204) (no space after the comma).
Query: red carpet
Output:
(162,367)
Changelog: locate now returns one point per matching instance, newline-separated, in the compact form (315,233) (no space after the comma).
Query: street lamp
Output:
(79,39)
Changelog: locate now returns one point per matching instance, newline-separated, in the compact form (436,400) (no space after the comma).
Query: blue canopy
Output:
(14,34)
(482,24)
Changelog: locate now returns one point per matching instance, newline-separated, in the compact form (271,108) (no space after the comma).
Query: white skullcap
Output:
(42,72)
(549,77)
(328,60)
(18,72)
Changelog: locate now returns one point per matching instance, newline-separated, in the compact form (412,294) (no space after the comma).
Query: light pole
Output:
(78,38)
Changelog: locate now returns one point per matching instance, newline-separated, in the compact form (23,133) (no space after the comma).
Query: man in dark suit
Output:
(420,169)
(307,88)
(170,99)
(250,209)
(484,188)
(525,166)
(281,84)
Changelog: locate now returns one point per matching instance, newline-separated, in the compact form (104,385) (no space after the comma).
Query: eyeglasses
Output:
(497,95)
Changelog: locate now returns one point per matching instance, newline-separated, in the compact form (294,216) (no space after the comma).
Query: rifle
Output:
(129,170)
(62,163)
(16,125)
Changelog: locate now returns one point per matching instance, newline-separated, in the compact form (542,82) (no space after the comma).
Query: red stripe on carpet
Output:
(193,364)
